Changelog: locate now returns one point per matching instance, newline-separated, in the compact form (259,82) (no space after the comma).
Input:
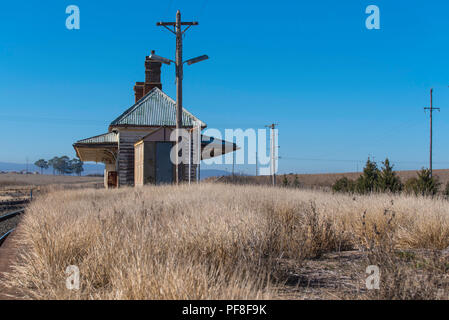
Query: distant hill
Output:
(89,168)
(209,173)
(92,168)
(326,180)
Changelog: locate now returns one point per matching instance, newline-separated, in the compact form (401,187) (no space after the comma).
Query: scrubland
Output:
(320,180)
(218,241)
(13,185)
(14,180)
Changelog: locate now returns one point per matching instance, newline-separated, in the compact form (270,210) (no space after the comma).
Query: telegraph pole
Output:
(177,30)
(233,164)
(273,152)
(257,159)
(431,108)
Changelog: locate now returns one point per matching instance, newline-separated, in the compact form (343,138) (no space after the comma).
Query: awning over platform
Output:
(101,148)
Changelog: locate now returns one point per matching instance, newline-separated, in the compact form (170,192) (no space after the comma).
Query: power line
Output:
(354,160)
(387,134)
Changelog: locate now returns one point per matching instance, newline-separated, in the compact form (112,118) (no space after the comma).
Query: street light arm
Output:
(197,59)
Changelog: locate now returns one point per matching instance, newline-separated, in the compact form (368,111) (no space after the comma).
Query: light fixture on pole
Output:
(197,59)
(168,61)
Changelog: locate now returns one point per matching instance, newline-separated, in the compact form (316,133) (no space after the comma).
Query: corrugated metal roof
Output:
(155,109)
(110,137)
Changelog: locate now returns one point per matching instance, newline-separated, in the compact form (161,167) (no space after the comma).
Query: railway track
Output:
(11,208)
(8,223)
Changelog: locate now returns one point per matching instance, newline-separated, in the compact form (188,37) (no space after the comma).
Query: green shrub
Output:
(343,185)
(425,184)
(411,186)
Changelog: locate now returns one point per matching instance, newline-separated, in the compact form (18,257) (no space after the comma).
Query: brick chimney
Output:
(152,74)
(152,78)
(138,90)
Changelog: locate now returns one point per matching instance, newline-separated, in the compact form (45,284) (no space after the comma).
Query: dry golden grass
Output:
(210,241)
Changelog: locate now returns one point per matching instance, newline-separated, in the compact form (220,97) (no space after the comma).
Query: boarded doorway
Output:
(164,166)
(152,163)
(112,179)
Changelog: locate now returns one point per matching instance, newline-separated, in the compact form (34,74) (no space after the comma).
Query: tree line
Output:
(385,179)
(61,165)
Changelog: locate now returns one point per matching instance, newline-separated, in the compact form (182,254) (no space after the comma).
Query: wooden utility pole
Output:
(257,160)
(273,152)
(233,165)
(431,108)
(190,155)
(179,76)
(198,153)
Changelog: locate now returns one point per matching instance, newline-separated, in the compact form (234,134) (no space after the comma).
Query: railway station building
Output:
(136,147)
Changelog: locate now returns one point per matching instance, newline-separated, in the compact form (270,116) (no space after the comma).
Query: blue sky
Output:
(339,92)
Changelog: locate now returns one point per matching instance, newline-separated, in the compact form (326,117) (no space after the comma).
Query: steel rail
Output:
(14,202)
(11,214)
(3,237)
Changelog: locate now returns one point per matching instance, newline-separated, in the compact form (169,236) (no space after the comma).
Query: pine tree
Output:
(367,182)
(427,185)
(388,181)
(296,183)
(285,181)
